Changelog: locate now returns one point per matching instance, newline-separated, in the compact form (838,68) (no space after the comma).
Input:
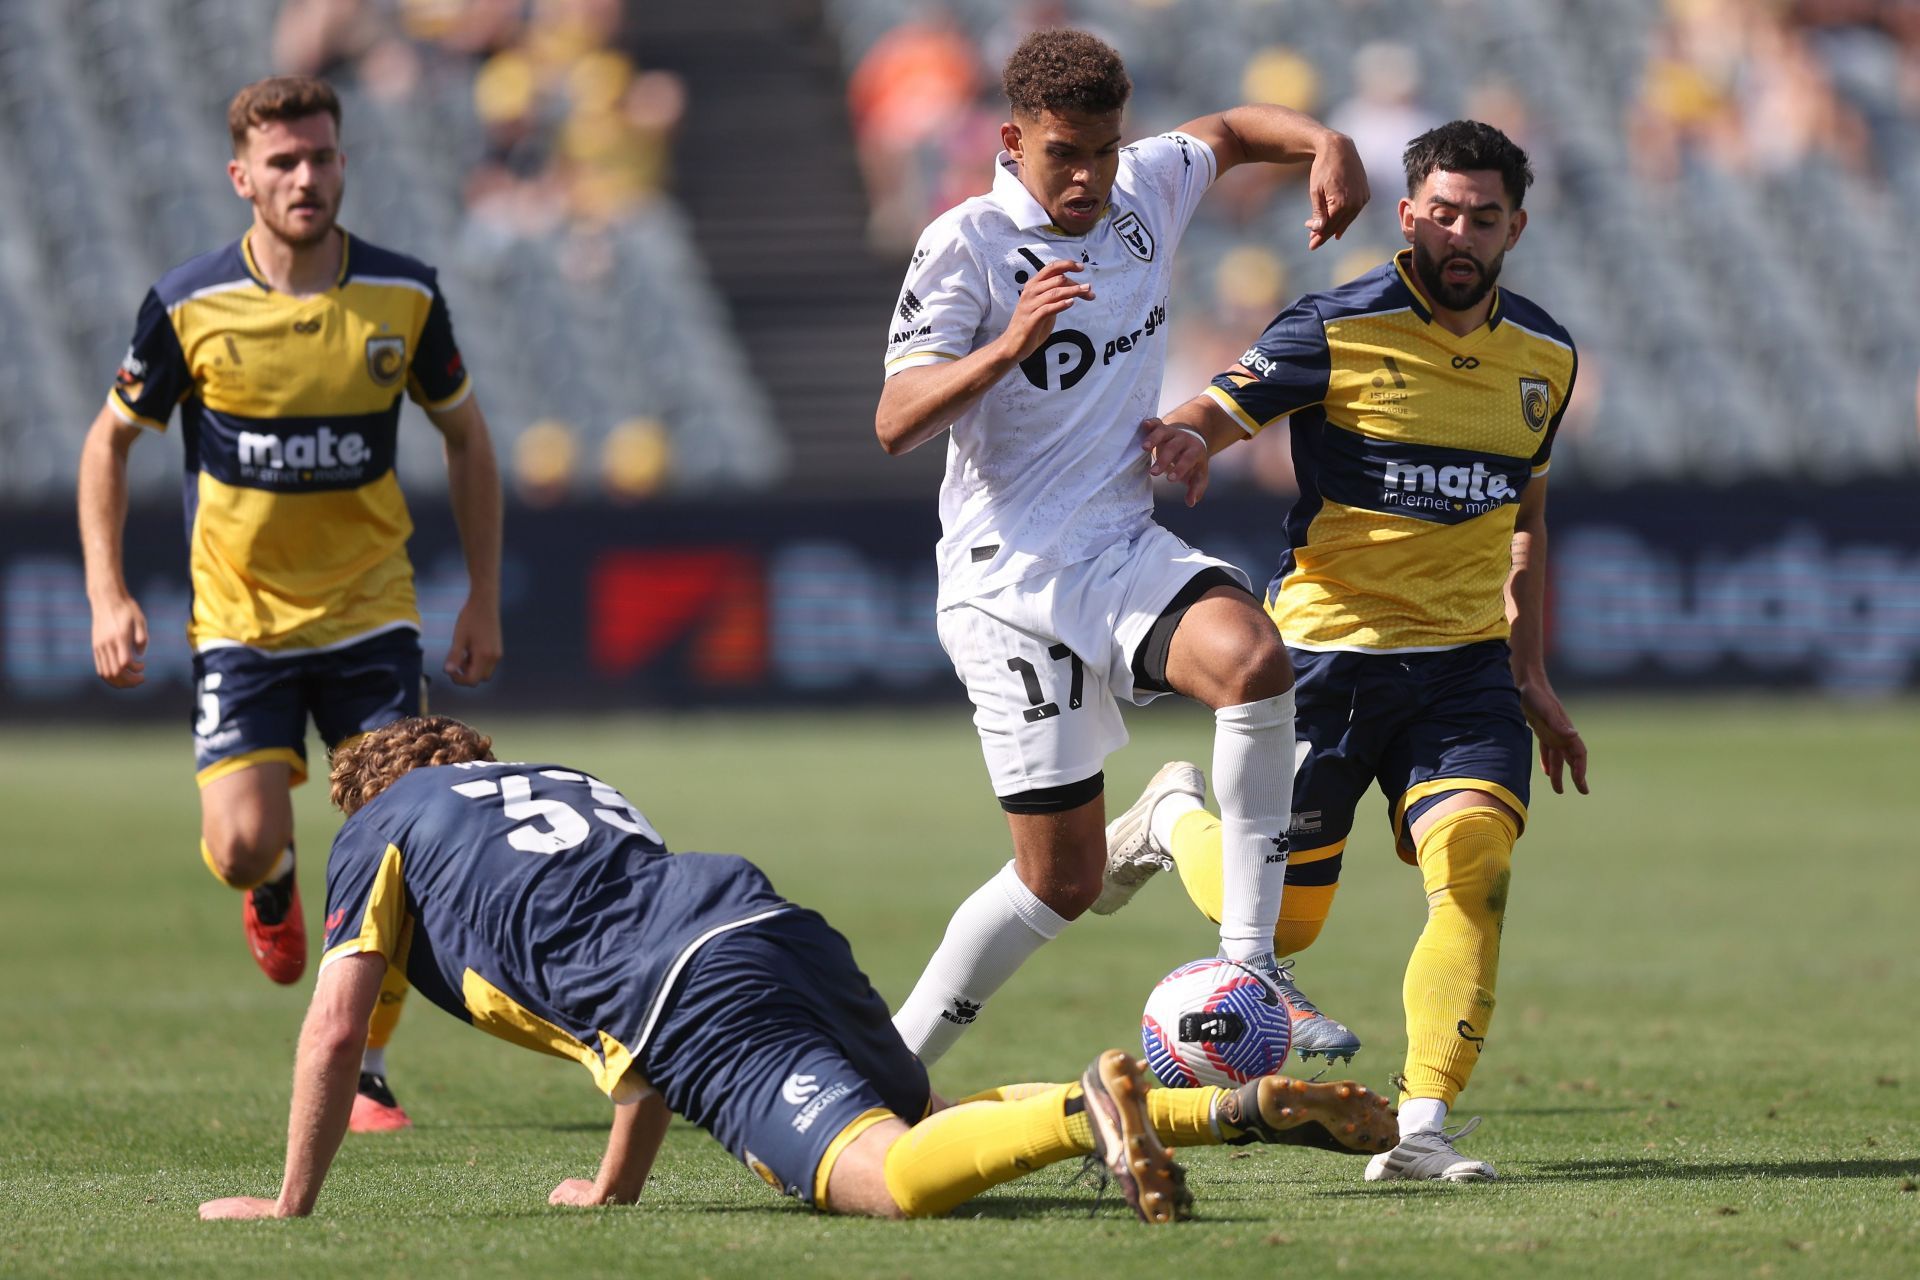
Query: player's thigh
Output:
(248,811)
(248,712)
(1468,735)
(857,1183)
(1047,719)
(1161,608)
(778,1046)
(367,686)
(1226,651)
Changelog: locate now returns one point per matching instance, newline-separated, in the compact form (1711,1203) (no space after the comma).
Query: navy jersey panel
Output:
(247,701)
(774,1042)
(1402,720)
(541,902)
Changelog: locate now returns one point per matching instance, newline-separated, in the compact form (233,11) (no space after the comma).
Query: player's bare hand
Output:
(1179,455)
(1050,291)
(477,647)
(120,642)
(1561,748)
(1337,187)
(580,1193)
(239,1207)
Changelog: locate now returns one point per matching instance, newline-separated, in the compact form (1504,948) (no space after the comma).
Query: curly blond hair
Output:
(365,766)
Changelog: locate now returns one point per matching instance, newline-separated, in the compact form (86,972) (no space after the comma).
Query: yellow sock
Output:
(1008,1092)
(1304,908)
(386,1012)
(1184,1117)
(954,1155)
(1466,861)
(1196,855)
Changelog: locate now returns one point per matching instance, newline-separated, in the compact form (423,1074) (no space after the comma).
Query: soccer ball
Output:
(1215,1022)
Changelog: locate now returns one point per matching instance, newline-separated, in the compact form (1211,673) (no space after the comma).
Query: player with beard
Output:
(286,353)
(1424,401)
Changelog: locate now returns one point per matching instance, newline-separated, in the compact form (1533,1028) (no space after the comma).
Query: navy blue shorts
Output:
(774,1042)
(251,707)
(1420,724)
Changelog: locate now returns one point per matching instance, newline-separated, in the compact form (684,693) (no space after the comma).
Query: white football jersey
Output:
(1046,469)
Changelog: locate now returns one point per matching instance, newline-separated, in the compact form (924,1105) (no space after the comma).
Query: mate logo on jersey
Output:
(268,459)
(1464,490)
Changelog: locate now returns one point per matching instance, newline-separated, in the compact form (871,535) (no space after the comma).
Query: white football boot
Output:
(1429,1156)
(1133,855)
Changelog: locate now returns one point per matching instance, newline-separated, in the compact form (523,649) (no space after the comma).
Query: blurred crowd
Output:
(573,131)
(1755,91)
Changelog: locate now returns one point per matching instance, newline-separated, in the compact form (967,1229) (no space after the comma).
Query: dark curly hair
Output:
(365,766)
(1463,145)
(1064,70)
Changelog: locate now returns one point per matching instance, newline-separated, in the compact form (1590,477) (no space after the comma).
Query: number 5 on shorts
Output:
(1041,708)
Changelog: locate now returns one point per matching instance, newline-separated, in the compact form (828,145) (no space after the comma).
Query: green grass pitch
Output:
(1704,1062)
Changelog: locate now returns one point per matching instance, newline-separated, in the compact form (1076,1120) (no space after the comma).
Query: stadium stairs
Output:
(779,212)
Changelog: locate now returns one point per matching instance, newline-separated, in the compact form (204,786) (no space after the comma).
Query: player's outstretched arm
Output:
(473,485)
(1337,182)
(1561,748)
(1183,443)
(325,1075)
(119,625)
(638,1128)
(918,404)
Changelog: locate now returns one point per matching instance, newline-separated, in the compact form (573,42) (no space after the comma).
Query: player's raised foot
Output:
(1114,1090)
(276,929)
(1338,1115)
(1315,1035)
(1430,1156)
(1133,855)
(375,1110)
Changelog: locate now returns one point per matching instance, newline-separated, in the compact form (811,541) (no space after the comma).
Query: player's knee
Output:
(242,856)
(1069,891)
(1469,853)
(1254,668)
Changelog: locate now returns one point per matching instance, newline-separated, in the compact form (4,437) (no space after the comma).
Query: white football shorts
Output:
(1047,660)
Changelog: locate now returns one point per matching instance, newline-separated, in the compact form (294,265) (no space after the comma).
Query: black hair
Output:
(1464,145)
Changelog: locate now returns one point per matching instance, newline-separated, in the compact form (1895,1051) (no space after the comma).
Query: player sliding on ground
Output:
(535,902)
(287,353)
(1033,323)
(1424,404)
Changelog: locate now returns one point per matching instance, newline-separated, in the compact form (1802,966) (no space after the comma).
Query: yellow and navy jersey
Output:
(534,902)
(1412,446)
(289,409)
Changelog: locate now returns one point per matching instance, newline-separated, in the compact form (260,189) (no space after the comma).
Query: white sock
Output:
(989,937)
(1253,781)
(1173,806)
(281,867)
(375,1060)
(1422,1115)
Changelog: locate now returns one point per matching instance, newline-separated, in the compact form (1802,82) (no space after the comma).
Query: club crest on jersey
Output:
(386,359)
(1134,234)
(1533,402)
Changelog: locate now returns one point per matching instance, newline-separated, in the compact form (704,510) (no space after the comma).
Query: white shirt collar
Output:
(1014,199)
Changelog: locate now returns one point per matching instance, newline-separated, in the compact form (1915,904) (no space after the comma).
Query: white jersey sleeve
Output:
(1179,168)
(942,302)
